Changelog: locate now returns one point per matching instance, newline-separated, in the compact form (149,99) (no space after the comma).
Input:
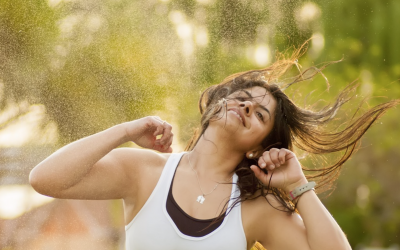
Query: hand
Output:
(284,167)
(144,133)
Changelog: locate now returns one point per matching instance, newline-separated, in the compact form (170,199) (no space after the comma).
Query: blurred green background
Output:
(70,68)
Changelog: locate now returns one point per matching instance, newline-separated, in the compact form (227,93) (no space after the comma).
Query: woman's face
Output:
(248,117)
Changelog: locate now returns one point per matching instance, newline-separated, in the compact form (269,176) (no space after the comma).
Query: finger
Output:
(171,138)
(274,156)
(261,162)
(257,171)
(159,148)
(289,155)
(167,133)
(282,156)
(260,174)
(158,118)
(163,149)
(167,146)
(158,130)
(159,127)
(169,150)
(267,159)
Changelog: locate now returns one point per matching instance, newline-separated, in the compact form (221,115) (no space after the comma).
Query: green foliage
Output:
(94,64)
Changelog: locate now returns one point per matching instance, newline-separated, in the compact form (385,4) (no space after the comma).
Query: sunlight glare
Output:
(176,17)
(262,55)
(184,30)
(16,200)
(28,128)
(205,2)
(201,36)
(53,3)
(317,44)
(309,12)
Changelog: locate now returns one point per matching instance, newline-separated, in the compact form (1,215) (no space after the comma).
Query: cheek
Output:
(264,132)
(218,114)
(259,134)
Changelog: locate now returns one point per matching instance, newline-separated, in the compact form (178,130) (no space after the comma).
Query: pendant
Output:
(200,199)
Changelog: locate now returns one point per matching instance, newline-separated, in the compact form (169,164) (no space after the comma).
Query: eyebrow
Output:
(261,106)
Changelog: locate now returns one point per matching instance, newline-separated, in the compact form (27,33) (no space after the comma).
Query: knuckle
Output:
(148,123)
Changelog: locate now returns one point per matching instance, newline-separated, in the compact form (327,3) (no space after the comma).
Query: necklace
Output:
(201,198)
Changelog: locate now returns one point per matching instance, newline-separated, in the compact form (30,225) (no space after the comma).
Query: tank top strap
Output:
(162,186)
(169,171)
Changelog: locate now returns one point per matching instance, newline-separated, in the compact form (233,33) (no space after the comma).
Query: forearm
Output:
(71,163)
(322,230)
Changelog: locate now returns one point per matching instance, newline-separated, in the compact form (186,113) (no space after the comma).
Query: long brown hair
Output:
(294,126)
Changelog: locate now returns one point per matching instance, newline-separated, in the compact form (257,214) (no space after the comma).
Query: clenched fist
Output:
(144,133)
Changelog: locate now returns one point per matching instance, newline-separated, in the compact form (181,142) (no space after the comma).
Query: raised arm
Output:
(91,168)
(316,230)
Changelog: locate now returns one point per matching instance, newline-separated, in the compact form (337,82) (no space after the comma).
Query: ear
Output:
(255,153)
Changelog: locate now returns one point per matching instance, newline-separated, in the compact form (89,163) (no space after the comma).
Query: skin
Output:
(81,169)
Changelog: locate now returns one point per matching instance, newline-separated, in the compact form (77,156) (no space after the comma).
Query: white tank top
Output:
(153,228)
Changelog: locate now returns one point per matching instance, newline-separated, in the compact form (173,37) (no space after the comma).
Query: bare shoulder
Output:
(141,166)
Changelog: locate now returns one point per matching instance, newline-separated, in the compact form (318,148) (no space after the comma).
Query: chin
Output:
(224,127)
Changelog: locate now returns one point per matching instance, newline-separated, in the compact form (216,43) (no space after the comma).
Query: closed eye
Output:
(242,99)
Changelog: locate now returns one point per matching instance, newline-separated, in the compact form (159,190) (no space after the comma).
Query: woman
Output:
(238,183)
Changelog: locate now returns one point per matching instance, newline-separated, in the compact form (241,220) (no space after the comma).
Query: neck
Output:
(213,157)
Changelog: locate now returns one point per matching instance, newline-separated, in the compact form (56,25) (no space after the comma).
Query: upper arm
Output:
(279,230)
(288,232)
(115,176)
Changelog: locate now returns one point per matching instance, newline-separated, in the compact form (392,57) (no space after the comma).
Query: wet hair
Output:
(293,126)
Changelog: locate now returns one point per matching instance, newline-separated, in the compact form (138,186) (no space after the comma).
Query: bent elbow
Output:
(33,181)
(37,184)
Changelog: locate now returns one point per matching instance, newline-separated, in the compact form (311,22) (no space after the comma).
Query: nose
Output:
(247,107)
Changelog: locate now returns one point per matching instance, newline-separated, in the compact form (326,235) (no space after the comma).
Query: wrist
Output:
(121,133)
(296,184)
(299,191)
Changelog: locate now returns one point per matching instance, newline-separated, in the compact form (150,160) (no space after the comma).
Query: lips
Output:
(239,115)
